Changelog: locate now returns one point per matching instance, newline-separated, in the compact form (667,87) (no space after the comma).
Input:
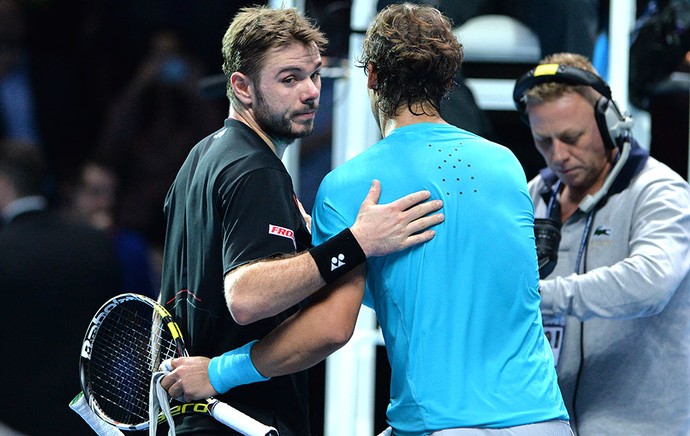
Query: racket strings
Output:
(130,344)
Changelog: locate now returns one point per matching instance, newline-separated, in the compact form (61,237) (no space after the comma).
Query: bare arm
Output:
(313,334)
(300,342)
(266,288)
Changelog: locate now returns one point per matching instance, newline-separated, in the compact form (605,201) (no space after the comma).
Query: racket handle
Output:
(231,417)
(238,421)
(102,428)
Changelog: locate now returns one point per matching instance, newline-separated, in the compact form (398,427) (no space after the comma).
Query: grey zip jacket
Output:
(624,366)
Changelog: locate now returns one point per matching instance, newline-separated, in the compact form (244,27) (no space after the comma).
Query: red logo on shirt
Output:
(282,231)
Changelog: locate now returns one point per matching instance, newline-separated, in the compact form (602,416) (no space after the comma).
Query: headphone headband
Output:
(559,73)
(614,125)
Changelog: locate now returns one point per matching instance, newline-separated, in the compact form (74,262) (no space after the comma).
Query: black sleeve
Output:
(260,217)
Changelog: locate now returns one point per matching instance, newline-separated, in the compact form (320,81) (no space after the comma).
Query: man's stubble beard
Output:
(277,126)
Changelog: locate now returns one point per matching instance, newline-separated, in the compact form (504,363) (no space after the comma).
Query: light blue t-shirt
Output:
(460,314)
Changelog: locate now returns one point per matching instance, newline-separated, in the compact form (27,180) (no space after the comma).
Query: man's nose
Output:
(312,90)
(559,151)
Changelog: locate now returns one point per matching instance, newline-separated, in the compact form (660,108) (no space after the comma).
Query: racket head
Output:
(127,339)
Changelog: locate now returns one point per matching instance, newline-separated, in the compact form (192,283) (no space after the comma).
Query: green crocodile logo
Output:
(602,231)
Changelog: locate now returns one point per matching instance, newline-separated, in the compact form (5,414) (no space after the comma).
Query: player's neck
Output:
(246,118)
(406,118)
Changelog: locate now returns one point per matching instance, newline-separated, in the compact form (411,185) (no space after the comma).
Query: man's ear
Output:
(371,77)
(243,87)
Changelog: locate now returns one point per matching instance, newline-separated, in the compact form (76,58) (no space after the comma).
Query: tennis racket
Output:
(125,343)
(102,428)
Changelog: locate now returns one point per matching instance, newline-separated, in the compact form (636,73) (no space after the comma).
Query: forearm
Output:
(634,287)
(267,288)
(314,333)
(263,289)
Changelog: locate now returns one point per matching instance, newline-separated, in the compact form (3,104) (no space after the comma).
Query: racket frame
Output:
(222,412)
(167,323)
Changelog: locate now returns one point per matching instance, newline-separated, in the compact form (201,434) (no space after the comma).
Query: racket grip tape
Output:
(102,428)
(240,422)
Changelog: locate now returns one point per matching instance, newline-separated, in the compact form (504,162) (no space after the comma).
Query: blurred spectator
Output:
(149,129)
(93,200)
(54,275)
(17,108)
(115,29)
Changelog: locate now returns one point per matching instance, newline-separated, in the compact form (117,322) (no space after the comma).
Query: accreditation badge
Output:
(554,328)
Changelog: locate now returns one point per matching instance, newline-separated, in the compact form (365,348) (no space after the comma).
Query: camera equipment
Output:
(547,233)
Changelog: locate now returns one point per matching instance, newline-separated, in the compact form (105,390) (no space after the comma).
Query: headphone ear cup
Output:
(609,122)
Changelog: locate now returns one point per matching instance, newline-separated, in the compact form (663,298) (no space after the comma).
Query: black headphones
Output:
(614,125)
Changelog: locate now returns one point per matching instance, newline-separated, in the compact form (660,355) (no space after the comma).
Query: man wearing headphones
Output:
(616,305)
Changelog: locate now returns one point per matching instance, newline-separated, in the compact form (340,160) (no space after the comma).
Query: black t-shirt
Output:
(231,203)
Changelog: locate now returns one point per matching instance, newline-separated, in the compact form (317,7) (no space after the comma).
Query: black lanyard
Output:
(554,207)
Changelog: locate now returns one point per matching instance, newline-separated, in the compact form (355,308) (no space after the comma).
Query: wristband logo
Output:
(282,232)
(337,262)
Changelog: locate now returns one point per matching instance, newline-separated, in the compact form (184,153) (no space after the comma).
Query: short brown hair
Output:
(415,55)
(256,30)
(553,90)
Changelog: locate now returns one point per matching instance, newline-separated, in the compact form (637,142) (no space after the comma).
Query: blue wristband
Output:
(233,368)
